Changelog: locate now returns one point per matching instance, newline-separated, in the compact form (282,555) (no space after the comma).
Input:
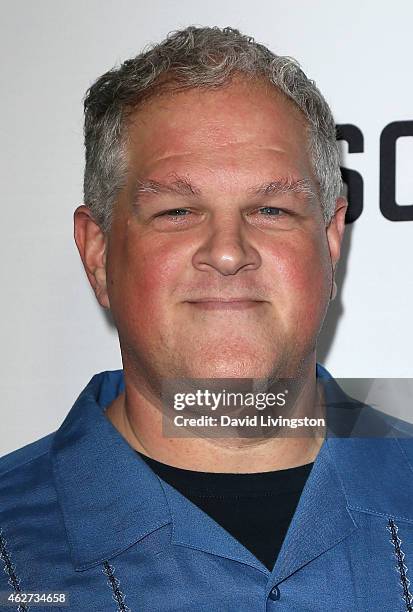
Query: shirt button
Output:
(274,594)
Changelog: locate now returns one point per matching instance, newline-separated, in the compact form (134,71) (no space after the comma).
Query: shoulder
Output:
(102,388)
(348,416)
(27,487)
(403,431)
(26,459)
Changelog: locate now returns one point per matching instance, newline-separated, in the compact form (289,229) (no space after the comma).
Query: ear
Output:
(335,230)
(91,244)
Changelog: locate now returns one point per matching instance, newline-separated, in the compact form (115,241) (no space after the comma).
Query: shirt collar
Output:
(111,499)
(104,489)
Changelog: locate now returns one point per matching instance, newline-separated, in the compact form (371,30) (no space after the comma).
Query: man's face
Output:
(214,209)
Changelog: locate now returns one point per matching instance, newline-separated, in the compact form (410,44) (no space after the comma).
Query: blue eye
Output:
(271,208)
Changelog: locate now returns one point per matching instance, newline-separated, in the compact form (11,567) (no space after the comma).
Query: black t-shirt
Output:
(254,508)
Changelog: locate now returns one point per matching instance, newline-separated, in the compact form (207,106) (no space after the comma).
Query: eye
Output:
(174,212)
(175,219)
(270,211)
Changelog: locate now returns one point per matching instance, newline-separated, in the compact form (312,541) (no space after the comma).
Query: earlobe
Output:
(91,243)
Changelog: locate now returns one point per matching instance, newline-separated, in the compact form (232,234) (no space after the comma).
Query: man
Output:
(211,229)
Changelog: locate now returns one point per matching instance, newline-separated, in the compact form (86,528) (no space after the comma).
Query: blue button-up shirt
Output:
(81,513)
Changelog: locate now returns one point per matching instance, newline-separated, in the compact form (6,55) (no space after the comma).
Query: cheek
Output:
(302,267)
(142,276)
(156,267)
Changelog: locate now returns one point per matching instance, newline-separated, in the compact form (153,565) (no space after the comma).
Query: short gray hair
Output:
(193,58)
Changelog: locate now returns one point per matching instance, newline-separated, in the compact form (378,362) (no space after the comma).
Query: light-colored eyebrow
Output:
(281,186)
(183,186)
(180,186)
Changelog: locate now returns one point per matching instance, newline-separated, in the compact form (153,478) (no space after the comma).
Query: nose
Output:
(226,247)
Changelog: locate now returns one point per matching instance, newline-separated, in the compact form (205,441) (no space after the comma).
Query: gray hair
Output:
(193,58)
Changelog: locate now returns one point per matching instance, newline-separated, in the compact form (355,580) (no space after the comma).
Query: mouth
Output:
(225,304)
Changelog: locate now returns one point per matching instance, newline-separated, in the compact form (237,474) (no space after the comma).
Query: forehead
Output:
(245,125)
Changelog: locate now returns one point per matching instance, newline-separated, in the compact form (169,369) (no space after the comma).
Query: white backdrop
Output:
(54,336)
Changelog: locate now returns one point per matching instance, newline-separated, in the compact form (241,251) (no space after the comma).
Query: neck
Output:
(139,420)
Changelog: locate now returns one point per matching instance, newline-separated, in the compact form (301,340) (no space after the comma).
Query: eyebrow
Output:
(180,186)
(183,187)
(287,185)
